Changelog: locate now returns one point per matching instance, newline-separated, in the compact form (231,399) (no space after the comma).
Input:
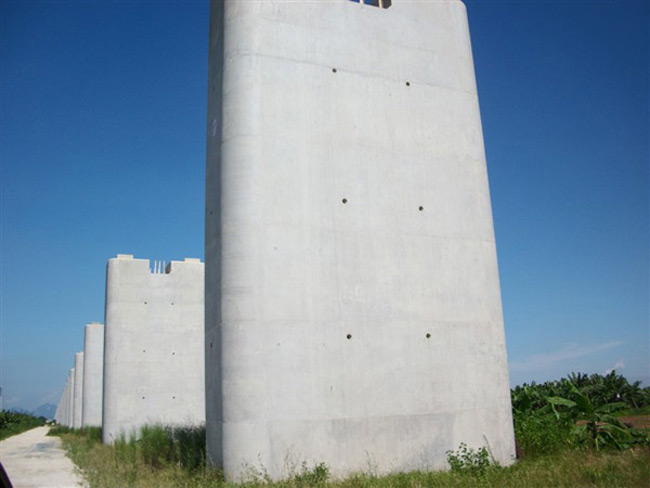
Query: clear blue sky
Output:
(102,126)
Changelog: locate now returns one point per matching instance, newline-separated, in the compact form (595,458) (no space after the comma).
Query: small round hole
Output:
(349,336)
(143,398)
(345,200)
(145,303)
(173,354)
(333,70)
(408,83)
(144,350)
(428,336)
(172,303)
(173,398)
(420,208)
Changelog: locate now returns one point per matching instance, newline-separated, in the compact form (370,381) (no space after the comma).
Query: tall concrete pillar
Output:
(353,309)
(78,389)
(93,375)
(59,415)
(70,399)
(154,369)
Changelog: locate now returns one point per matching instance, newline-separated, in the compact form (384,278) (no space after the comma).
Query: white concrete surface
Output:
(93,375)
(353,309)
(70,401)
(33,460)
(60,416)
(78,389)
(154,345)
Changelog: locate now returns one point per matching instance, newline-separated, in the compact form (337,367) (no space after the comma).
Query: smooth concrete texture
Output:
(78,389)
(154,345)
(61,407)
(353,309)
(70,403)
(34,460)
(93,375)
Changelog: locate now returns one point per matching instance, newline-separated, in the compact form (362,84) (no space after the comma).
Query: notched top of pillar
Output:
(153,266)
(185,262)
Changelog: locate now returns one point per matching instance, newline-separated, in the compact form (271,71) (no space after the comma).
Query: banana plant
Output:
(594,425)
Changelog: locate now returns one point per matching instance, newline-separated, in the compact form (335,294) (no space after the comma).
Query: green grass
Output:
(633,411)
(131,463)
(12,423)
(567,436)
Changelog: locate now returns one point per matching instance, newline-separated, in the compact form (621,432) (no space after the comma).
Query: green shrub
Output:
(160,446)
(542,434)
(467,460)
(156,446)
(93,434)
(317,475)
(189,446)
(57,430)
(12,422)
(580,410)
(599,389)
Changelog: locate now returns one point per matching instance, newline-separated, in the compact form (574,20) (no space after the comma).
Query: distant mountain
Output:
(47,410)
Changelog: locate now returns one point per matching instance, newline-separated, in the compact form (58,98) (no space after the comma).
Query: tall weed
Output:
(543,434)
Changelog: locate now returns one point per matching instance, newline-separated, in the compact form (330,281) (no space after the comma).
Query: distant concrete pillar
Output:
(59,415)
(154,367)
(93,375)
(78,389)
(70,399)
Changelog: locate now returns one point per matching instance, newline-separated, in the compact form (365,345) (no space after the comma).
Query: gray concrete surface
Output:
(93,379)
(70,399)
(78,389)
(353,308)
(154,365)
(61,414)
(33,460)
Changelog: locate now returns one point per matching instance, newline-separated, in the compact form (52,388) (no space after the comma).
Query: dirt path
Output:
(637,421)
(33,460)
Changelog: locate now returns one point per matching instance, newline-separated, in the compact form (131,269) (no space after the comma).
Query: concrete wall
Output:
(70,399)
(58,414)
(78,389)
(353,309)
(61,414)
(93,375)
(154,345)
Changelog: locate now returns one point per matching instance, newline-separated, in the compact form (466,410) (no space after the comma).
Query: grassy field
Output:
(127,464)
(580,431)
